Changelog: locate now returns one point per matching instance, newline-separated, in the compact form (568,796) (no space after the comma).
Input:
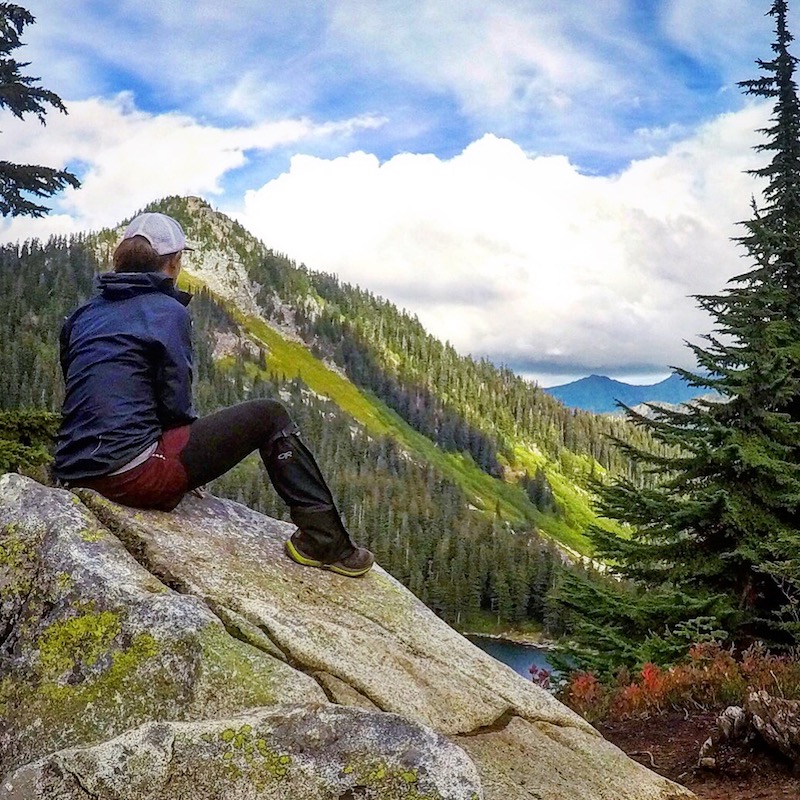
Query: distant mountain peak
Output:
(601,394)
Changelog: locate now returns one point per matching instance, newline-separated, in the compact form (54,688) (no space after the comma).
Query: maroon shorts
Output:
(160,482)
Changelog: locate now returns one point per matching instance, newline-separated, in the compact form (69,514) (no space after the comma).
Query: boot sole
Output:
(297,556)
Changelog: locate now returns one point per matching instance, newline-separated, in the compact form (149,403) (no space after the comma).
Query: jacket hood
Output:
(124,285)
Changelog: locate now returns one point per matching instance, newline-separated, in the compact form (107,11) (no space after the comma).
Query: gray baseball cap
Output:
(164,233)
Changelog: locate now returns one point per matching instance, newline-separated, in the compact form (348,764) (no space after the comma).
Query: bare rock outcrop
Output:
(125,634)
(775,720)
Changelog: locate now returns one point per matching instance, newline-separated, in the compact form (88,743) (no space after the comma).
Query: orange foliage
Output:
(585,694)
(709,678)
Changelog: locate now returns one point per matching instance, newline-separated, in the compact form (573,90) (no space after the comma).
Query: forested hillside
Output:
(504,425)
(462,404)
(449,469)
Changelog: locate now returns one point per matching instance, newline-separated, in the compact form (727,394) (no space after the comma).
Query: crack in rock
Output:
(16,618)
(321,683)
(314,673)
(342,693)
(241,628)
(499,724)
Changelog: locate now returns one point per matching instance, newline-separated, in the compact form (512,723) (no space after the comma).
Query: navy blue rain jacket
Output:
(126,356)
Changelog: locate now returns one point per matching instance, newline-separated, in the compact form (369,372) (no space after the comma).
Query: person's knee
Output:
(278,421)
(270,406)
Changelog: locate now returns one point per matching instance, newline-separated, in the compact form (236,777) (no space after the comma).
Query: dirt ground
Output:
(669,745)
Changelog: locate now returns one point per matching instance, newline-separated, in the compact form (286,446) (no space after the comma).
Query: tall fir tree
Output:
(715,538)
(21,95)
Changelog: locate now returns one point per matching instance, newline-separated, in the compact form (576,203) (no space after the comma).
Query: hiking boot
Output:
(357,562)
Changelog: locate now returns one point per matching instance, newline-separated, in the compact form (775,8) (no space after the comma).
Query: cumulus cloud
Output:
(503,249)
(522,258)
(127,158)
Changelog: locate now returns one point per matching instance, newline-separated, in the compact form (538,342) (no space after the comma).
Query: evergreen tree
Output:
(20,95)
(25,438)
(716,537)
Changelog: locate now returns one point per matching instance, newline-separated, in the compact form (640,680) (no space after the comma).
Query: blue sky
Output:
(542,183)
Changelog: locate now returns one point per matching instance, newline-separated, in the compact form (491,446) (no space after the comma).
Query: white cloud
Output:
(127,158)
(578,78)
(492,54)
(502,252)
(602,81)
(181,54)
(728,33)
(524,258)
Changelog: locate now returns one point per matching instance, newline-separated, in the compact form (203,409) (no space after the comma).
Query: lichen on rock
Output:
(95,645)
(302,752)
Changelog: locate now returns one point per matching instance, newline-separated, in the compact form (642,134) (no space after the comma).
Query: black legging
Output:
(221,440)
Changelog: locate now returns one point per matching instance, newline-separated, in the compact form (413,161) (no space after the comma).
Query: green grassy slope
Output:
(291,359)
(244,274)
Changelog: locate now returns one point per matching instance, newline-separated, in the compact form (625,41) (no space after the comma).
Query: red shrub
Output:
(709,678)
(585,694)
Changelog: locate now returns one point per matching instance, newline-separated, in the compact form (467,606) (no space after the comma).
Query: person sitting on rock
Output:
(129,430)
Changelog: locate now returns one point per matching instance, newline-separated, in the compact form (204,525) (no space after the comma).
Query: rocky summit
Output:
(168,656)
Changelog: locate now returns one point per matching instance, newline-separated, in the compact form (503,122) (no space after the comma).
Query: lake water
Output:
(519,657)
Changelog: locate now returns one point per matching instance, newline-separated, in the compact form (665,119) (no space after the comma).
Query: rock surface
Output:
(298,752)
(93,644)
(777,721)
(112,617)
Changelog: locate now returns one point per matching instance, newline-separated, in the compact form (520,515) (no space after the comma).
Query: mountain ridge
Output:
(602,395)
(322,304)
